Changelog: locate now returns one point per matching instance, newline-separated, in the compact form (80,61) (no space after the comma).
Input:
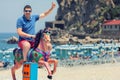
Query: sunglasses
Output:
(28,11)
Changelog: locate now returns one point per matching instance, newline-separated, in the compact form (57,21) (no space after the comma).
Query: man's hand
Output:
(47,12)
(53,5)
(33,36)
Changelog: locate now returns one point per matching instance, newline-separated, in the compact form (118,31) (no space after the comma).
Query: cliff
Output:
(86,15)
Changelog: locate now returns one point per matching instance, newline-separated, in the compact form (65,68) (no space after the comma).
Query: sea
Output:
(3,40)
(5,48)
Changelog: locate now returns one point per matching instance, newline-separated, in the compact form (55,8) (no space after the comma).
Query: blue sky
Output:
(10,10)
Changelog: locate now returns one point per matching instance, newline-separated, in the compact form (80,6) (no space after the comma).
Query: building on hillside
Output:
(111,28)
(57,24)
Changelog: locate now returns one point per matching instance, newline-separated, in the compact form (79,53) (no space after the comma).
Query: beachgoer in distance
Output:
(26,28)
(3,64)
(74,57)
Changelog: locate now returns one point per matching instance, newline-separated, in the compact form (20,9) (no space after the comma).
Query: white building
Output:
(111,28)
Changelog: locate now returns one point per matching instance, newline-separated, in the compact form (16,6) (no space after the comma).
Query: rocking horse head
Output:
(42,46)
(42,39)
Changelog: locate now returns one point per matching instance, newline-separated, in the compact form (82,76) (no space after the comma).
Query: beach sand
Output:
(109,71)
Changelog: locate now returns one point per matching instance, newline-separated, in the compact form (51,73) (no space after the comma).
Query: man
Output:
(26,28)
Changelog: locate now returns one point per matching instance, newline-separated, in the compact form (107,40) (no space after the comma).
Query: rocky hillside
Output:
(86,15)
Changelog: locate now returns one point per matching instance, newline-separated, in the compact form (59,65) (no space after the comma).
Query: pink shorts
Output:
(21,46)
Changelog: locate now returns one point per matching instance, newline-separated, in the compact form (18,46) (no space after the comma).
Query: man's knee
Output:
(26,45)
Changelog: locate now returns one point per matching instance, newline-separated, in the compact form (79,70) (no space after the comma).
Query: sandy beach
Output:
(109,71)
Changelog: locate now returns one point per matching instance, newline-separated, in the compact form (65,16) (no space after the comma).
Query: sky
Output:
(11,10)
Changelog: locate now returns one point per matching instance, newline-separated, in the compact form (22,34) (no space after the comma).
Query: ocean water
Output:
(4,37)
(6,49)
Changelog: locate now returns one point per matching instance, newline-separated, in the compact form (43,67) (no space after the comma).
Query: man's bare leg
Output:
(26,47)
